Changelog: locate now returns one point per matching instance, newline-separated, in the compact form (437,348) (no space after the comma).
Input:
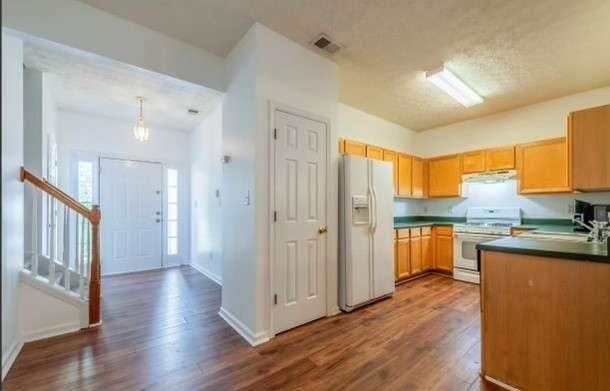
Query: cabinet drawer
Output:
(444,230)
(426,231)
(402,233)
(415,232)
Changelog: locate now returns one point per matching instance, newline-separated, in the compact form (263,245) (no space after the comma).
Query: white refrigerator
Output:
(366,235)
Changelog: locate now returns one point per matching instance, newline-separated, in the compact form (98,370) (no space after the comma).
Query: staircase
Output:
(70,269)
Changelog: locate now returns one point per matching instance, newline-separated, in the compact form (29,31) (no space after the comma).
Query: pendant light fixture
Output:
(140,131)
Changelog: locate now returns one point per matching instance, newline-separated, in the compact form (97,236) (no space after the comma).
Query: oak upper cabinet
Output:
(444,176)
(391,156)
(543,166)
(473,162)
(419,177)
(427,249)
(500,158)
(443,248)
(374,152)
(354,148)
(404,175)
(416,251)
(403,254)
(589,132)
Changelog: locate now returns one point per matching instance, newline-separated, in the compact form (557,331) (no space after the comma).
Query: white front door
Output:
(299,270)
(131,203)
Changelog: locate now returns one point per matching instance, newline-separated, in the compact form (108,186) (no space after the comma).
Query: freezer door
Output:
(383,228)
(356,267)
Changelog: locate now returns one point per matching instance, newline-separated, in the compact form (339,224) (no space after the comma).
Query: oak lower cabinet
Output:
(416,251)
(589,132)
(443,248)
(427,249)
(544,166)
(403,255)
(444,176)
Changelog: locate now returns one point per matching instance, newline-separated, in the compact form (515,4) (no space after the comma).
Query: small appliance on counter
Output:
(482,225)
(587,212)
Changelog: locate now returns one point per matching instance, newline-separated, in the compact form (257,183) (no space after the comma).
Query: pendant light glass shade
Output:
(140,131)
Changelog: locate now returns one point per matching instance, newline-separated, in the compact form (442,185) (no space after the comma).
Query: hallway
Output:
(161,329)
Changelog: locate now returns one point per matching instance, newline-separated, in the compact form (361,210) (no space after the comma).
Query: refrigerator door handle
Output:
(370,191)
(374,225)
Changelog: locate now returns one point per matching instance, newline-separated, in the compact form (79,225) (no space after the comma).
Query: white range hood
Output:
(490,177)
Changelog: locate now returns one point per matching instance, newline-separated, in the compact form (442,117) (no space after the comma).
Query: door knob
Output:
(322,230)
(158,220)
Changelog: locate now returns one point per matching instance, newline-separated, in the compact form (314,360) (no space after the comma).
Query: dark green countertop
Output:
(547,225)
(580,251)
(425,221)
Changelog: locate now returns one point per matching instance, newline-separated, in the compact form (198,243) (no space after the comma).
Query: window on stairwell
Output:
(172,211)
(85,183)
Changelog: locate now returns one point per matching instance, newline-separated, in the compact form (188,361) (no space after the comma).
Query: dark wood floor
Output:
(161,330)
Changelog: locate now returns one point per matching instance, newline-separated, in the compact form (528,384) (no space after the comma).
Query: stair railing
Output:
(85,262)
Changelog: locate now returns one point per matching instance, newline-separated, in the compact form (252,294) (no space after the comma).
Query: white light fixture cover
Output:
(140,131)
(447,81)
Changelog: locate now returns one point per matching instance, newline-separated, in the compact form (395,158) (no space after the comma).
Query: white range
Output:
(482,225)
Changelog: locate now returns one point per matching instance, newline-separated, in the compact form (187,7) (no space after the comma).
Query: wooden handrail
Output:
(90,214)
(94,216)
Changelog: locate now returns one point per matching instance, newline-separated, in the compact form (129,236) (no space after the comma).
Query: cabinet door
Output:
(390,156)
(473,162)
(354,148)
(590,138)
(404,175)
(374,152)
(419,178)
(444,176)
(416,255)
(500,158)
(444,252)
(403,254)
(426,252)
(543,166)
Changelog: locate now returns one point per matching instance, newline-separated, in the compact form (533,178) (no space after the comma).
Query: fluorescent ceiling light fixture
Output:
(447,81)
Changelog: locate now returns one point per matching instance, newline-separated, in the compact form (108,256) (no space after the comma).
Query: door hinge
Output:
(275,215)
(275,133)
(275,299)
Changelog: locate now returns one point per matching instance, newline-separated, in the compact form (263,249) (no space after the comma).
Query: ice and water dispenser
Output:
(360,210)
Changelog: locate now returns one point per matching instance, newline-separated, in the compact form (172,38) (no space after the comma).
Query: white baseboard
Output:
(252,338)
(207,273)
(9,358)
(51,332)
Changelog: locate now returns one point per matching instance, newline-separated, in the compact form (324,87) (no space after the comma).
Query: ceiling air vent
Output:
(323,42)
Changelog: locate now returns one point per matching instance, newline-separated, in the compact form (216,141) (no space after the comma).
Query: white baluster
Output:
(52,236)
(88,254)
(80,256)
(66,252)
(34,259)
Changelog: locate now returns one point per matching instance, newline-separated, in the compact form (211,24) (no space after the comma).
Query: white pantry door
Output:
(299,272)
(131,203)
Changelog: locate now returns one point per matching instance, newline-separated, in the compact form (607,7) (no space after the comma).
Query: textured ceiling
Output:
(95,85)
(513,53)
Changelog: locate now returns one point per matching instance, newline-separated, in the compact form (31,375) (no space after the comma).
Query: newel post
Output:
(95,311)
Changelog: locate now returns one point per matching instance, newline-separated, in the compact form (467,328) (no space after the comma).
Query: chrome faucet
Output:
(598,230)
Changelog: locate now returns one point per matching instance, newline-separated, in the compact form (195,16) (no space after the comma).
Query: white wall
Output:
(357,125)
(12,193)
(87,137)
(265,66)
(529,123)
(206,180)
(83,27)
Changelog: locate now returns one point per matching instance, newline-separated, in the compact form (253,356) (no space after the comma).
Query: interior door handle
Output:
(322,230)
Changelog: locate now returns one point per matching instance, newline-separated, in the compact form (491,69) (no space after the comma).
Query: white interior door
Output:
(300,202)
(131,203)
